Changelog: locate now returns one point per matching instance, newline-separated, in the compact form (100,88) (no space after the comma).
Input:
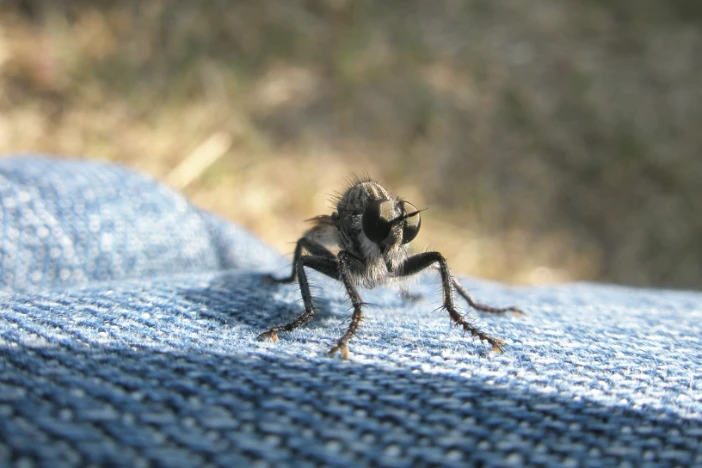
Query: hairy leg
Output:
(328,266)
(419,262)
(344,259)
(482,307)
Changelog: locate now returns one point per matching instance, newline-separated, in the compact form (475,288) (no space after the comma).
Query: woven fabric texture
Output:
(128,324)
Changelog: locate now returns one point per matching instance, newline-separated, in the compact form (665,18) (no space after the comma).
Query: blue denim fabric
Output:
(128,327)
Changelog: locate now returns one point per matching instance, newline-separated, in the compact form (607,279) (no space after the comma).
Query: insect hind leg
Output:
(482,307)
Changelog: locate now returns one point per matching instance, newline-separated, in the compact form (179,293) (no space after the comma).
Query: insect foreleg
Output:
(344,259)
(419,262)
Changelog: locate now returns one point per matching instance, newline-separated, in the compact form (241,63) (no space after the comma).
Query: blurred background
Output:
(550,140)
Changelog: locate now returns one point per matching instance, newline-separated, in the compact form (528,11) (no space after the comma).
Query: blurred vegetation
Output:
(551,140)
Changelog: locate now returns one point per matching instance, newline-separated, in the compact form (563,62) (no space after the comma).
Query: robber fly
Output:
(370,232)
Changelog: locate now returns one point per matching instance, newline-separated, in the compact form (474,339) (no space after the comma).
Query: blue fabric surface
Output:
(128,324)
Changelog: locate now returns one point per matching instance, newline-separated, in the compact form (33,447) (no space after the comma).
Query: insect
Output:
(370,232)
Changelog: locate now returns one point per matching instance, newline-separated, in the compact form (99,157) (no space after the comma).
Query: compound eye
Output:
(412,222)
(377,220)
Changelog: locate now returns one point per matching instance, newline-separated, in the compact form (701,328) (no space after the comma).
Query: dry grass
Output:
(551,140)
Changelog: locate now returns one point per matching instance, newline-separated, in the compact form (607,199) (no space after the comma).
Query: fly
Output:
(369,233)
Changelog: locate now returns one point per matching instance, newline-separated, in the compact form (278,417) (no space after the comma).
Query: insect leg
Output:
(313,247)
(344,259)
(482,307)
(408,295)
(419,262)
(328,266)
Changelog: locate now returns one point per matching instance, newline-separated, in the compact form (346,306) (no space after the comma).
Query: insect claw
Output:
(344,351)
(497,345)
(273,336)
